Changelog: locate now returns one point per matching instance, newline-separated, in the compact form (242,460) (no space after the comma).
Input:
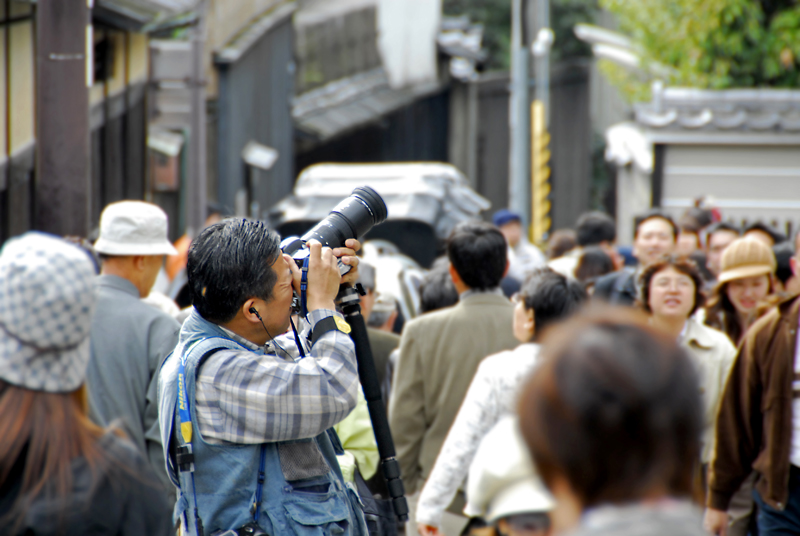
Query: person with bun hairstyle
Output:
(743,285)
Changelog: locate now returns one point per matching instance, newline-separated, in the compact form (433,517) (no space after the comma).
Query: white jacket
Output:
(492,394)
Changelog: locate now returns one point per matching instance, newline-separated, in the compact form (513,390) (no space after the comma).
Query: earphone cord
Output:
(270,336)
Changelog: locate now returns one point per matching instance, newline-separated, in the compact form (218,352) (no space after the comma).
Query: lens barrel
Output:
(352,218)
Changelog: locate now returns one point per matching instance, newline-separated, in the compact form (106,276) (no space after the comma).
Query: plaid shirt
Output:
(265,395)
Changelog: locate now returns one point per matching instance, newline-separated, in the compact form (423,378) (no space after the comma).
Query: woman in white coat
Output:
(546,297)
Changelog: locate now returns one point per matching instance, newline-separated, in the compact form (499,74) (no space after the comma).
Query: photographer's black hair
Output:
(551,296)
(230,262)
(594,228)
(477,250)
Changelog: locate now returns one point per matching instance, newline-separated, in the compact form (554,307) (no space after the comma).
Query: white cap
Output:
(133,228)
(502,480)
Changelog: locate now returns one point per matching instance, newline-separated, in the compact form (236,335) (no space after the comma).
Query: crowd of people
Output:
(581,387)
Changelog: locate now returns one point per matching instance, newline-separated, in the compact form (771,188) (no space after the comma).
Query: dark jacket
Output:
(382,344)
(754,425)
(128,499)
(618,288)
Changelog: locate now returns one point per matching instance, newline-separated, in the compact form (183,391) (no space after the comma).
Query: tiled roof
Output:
(754,110)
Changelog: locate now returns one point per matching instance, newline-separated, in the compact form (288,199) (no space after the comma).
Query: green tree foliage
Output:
(712,44)
(495,15)
(564,15)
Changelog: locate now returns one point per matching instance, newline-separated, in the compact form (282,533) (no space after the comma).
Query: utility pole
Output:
(519,119)
(540,120)
(64,72)
(196,185)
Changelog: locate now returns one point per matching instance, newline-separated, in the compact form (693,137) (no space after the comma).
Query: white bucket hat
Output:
(502,480)
(133,228)
(46,304)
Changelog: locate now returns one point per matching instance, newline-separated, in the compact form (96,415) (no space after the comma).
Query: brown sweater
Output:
(754,425)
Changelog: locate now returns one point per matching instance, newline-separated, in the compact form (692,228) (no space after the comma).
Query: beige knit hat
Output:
(746,257)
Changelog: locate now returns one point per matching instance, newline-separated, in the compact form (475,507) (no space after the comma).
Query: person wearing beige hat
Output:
(742,287)
(59,473)
(130,339)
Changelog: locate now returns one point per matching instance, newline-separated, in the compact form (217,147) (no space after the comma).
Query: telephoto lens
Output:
(352,218)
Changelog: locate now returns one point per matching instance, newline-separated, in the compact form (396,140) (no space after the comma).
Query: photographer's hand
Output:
(323,277)
(348,256)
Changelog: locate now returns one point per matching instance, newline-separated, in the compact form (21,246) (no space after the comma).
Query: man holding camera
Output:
(245,416)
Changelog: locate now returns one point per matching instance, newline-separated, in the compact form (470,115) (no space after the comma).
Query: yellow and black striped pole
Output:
(540,174)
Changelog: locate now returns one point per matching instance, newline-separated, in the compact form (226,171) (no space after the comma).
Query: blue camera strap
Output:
(260,484)
(186,433)
(304,289)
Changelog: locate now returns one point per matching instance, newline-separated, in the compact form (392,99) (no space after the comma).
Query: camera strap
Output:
(304,289)
(260,483)
(185,456)
(297,339)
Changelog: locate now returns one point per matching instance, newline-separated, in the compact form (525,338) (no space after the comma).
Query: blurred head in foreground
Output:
(612,415)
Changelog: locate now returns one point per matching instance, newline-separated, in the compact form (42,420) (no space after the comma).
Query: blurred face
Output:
(513,232)
(746,293)
(367,303)
(671,294)
(523,320)
(688,243)
(276,312)
(654,239)
(717,242)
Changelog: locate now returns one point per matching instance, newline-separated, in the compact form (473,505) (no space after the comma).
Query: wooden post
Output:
(62,116)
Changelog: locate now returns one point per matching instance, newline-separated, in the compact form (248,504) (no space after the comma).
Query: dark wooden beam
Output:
(62,117)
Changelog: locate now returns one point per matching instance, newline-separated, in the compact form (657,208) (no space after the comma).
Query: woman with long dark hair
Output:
(742,287)
(59,473)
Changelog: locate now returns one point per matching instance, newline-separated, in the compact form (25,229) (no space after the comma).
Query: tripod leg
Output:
(377,411)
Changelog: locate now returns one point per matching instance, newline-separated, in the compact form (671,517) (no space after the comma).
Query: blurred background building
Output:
(185,102)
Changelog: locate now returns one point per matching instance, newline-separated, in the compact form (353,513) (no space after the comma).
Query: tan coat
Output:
(439,354)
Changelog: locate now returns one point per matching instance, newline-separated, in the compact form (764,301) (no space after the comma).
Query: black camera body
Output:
(353,217)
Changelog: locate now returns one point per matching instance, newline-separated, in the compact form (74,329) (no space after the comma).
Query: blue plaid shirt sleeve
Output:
(249,397)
